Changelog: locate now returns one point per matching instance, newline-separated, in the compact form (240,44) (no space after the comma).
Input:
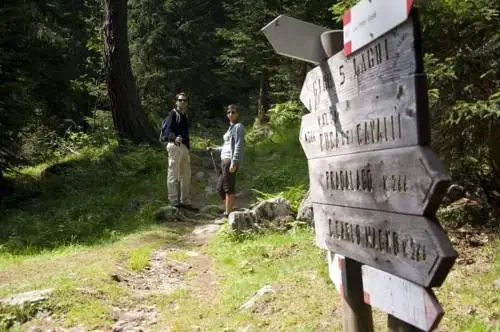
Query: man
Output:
(231,155)
(175,131)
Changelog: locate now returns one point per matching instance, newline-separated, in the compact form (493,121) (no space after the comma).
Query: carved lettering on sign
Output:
(412,247)
(382,118)
(385,60)
(374,131)
(362,180)
(382,240)
(349,179)
(321,83)
(376,54)
(395,180)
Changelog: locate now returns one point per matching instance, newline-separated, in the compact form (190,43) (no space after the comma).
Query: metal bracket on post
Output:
(332,42)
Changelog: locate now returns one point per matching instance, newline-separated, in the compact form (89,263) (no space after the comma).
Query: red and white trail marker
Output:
(370,19)
(401,298)
(335,270)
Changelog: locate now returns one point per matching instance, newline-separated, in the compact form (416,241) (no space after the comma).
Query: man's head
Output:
(181,101)
(232,113)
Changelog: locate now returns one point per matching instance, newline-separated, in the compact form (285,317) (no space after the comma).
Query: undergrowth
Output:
(275,164)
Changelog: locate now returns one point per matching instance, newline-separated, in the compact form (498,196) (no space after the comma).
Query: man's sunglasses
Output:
(182,100)
(231,112)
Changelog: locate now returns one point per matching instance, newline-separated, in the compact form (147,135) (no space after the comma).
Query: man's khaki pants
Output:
(179,174)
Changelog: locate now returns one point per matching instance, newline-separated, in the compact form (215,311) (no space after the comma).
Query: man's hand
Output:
(178,139)
(233,168)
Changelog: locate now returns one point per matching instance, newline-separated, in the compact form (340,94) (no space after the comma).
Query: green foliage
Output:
(172,48)
(294,195)
(462,68)
(285,115)
(230,235)
(43,50)
(11,316)
(104,194)
(480,110)
(275,164)
(340,7)
(139,257)
(455,216)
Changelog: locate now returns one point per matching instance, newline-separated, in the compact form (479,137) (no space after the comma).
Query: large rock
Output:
(454,193)
(463,211)
(28,297)
(272,209)
(260,293)
(305,212)
(242,220)
(168,213)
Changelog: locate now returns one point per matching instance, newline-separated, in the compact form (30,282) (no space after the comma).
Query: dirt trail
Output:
(165,273)
(180,265)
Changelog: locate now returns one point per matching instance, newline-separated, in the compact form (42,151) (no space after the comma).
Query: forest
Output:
(54,71)
(84,87)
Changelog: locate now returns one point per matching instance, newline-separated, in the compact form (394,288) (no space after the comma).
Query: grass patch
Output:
(285,261)
(304,298)
(96,200)
(469,297)
(84,291)
(276,166)
(178,255)
(139,257)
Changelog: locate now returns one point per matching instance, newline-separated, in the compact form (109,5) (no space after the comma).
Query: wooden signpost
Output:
(407,180)
(375,183)
(391,118)
(412,247)
(296,39)
(393,57)
(400,298)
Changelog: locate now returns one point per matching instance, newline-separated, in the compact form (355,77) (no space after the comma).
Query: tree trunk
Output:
(494,148)
(130,122)
(263,104)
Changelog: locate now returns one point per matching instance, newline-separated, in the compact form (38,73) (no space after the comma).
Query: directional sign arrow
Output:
(384,61)
(367,122)
(318,91)
(411,247)
(408,180)
(401,298)
(370,19)
(298,39)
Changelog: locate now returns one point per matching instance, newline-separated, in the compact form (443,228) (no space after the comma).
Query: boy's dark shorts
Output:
(227,180)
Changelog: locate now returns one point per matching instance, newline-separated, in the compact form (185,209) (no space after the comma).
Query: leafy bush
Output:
(285,115)
(294,195)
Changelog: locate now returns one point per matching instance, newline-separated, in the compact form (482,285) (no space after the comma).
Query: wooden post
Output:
(356,314)
(396,325)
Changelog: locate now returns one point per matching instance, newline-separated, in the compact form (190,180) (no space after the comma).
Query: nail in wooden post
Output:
(396,325)
(356,314)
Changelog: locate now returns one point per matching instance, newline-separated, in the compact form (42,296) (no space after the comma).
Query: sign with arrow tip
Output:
(297,39)
(411,247)
(406,180)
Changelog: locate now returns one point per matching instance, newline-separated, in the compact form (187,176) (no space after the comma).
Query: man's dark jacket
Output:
(175,124)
